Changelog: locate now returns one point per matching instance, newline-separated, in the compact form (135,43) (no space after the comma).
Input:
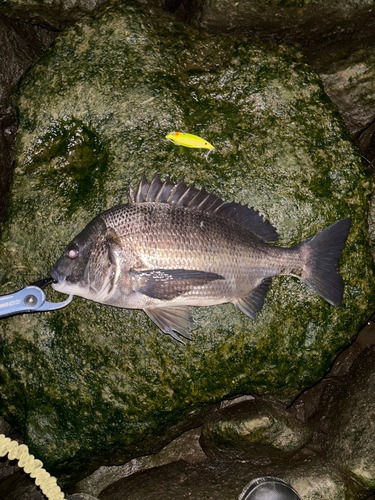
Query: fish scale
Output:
(190,249)
(185,239)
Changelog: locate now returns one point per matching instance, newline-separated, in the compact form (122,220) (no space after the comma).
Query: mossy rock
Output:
(90,382)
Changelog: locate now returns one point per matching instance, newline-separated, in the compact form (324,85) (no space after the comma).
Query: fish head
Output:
(87,267)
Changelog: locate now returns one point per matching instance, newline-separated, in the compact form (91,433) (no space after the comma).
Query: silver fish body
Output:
(173,246)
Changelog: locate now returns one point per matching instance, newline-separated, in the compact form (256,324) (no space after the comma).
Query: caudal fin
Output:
(321,271)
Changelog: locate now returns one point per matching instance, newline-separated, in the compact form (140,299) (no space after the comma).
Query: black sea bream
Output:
(173,246)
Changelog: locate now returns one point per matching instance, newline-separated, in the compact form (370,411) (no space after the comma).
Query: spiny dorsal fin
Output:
(181,195)
(132,193)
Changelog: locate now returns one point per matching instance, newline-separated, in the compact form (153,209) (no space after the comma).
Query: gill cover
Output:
(102,268)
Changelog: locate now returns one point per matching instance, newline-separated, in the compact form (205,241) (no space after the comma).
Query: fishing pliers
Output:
(30,299)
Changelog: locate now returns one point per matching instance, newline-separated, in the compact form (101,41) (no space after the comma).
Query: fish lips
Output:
(57,277)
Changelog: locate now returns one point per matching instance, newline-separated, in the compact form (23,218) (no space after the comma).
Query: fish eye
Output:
(72,251)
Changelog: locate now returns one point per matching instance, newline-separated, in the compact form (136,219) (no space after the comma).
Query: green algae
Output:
(91,382)
(77,159)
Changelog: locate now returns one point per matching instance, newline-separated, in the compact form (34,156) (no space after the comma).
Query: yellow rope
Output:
(34,467)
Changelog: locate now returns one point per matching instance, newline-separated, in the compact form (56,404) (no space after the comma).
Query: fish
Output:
(189,140)
(173,246)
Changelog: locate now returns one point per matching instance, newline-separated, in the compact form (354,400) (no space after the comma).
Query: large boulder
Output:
(253,430)
(52,15)
(312,23)
(348,77)
(344,421)
(309,474)
(20,45)
(92,383)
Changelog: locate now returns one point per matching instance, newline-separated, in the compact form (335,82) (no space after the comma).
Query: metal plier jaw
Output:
(30,299)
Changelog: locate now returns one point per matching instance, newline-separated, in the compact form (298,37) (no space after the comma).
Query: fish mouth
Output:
(57,277)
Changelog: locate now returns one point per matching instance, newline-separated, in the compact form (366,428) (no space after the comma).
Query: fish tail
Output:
(321,269)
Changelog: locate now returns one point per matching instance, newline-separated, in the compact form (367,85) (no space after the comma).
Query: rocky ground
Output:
(321,442)
(192,467)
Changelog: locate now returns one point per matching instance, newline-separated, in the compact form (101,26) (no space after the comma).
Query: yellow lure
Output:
(188,140)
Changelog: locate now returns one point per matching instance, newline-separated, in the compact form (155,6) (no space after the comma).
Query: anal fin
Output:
(171,320)
(253,302)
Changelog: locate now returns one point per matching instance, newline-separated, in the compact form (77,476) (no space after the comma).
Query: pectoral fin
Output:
(167,284)
(171,320)
(253,302)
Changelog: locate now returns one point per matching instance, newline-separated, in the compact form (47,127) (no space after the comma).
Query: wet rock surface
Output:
(348,439)
(20,45)
(252,428)
(331,464)
(52,15)
(347,73)
(312,24)
(186,447)
(209,480)
(311,476)
(321,469)
(93,112)
(318,470)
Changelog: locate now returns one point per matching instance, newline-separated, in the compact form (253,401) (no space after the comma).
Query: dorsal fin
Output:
(181,195)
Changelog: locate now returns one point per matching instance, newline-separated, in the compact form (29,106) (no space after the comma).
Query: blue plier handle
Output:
(30,299)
